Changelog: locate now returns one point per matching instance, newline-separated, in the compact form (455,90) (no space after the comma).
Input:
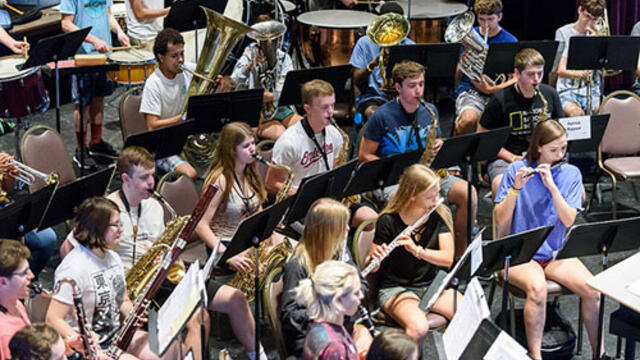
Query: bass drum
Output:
(22,92)
(327,37)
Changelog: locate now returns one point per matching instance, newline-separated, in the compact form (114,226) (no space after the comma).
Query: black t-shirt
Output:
(507,107)
(402,268)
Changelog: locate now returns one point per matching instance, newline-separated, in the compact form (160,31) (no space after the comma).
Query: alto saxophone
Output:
(268,259)
(81,317)
(342,158)
(427,156)
(545,105)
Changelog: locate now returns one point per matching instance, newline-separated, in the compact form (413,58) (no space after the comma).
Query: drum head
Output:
(337,19)
(133,56)
(434,9)
(9,70)
(288,5)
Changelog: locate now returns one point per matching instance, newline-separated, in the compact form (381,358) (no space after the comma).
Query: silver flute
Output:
(81,317)
(394,243)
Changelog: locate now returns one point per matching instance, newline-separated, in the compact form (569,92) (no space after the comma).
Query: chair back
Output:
(272,300)
(180,192)
(43,149)
(623,130)
(131,120)
(362,241)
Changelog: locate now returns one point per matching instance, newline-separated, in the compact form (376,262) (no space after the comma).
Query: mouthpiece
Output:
(260,158)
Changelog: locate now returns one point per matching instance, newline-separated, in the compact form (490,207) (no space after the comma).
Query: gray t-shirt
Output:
(563,34)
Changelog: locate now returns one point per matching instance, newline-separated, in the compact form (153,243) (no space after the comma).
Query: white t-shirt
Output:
(563,35)
(296,149)
(102,284)
(150,227)
(164,97)
(146,29)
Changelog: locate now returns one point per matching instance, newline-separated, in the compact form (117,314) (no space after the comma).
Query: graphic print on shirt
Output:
(310,157)
(401,140)
(95,8)
(109,292)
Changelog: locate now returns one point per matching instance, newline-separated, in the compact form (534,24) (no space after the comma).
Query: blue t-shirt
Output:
(363,53)
(392,128)
(89,13)
(502,36)
(534,204)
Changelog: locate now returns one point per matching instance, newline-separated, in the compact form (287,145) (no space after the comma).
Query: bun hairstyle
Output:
(321,293)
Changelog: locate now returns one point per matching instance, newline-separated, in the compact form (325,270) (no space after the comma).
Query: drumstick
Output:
(26,53)
(118,48)
(14,9)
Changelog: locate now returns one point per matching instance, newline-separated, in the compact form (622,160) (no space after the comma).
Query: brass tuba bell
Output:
(385,31)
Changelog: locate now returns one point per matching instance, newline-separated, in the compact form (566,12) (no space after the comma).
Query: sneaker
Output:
(89,164)
(6,126)
(103,149)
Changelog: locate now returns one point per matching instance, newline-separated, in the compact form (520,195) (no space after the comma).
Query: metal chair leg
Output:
(580,330)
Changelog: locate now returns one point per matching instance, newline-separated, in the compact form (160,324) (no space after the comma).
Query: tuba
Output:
(472,60)
(266,73)
(222,35)
(385,31)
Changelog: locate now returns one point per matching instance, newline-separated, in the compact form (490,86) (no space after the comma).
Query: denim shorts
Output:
(91,84)
(568,96)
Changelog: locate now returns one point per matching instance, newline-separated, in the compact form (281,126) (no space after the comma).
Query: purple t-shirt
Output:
(534,205)
(326,341)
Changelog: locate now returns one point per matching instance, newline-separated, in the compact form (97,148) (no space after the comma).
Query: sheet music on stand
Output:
(506,348)
(176,310)
(467,319)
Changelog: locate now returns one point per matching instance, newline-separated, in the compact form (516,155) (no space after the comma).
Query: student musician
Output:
(37,342)
(331,293)
(323,239)
(537,191)
(405,275)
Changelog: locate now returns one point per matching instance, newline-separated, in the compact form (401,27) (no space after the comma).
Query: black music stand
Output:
(328,184)
(69,196)
(469,149)
(500,59)
(212,111)
(603,53)
(25,214)
(598,126)
(54,48)
(337,76)
(250,233)
(440,60)
(601,238)
(164,141)
(510,251)
(380,173)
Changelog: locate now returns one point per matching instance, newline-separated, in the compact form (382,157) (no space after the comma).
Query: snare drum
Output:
(327,37)
(429,19)
(119,12)
(135,66)
(22,92)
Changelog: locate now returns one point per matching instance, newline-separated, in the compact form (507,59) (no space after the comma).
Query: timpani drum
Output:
(135,66)
(429,18)
(327,37)
(22,92)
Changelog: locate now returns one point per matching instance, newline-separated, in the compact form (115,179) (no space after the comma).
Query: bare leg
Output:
(404,309)
(193,340)
(557,271)
(186,169)
(444,304)
(290,120)
(530,278)
(363,214)
(140,348)
(232,302)
(270,129)
(466,124)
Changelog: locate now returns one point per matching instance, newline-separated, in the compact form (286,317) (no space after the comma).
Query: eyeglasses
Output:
(22,273)
(116,225)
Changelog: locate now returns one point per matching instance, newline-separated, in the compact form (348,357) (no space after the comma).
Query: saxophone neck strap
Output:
(311,135)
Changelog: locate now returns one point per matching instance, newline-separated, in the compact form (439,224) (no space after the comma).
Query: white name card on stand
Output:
(578,128)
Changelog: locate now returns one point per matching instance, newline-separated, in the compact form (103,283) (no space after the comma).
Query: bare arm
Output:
(489,89)
(155,122)
(368,150)
(116,29)
(67,26)
(504,209)
(274,181)
(18,47)
(443,256)
(141,13)
(570,74)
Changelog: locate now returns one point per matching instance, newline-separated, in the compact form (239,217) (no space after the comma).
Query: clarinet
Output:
(85,331)
(394,243)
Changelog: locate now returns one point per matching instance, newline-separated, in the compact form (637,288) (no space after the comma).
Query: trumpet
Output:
(29,175)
